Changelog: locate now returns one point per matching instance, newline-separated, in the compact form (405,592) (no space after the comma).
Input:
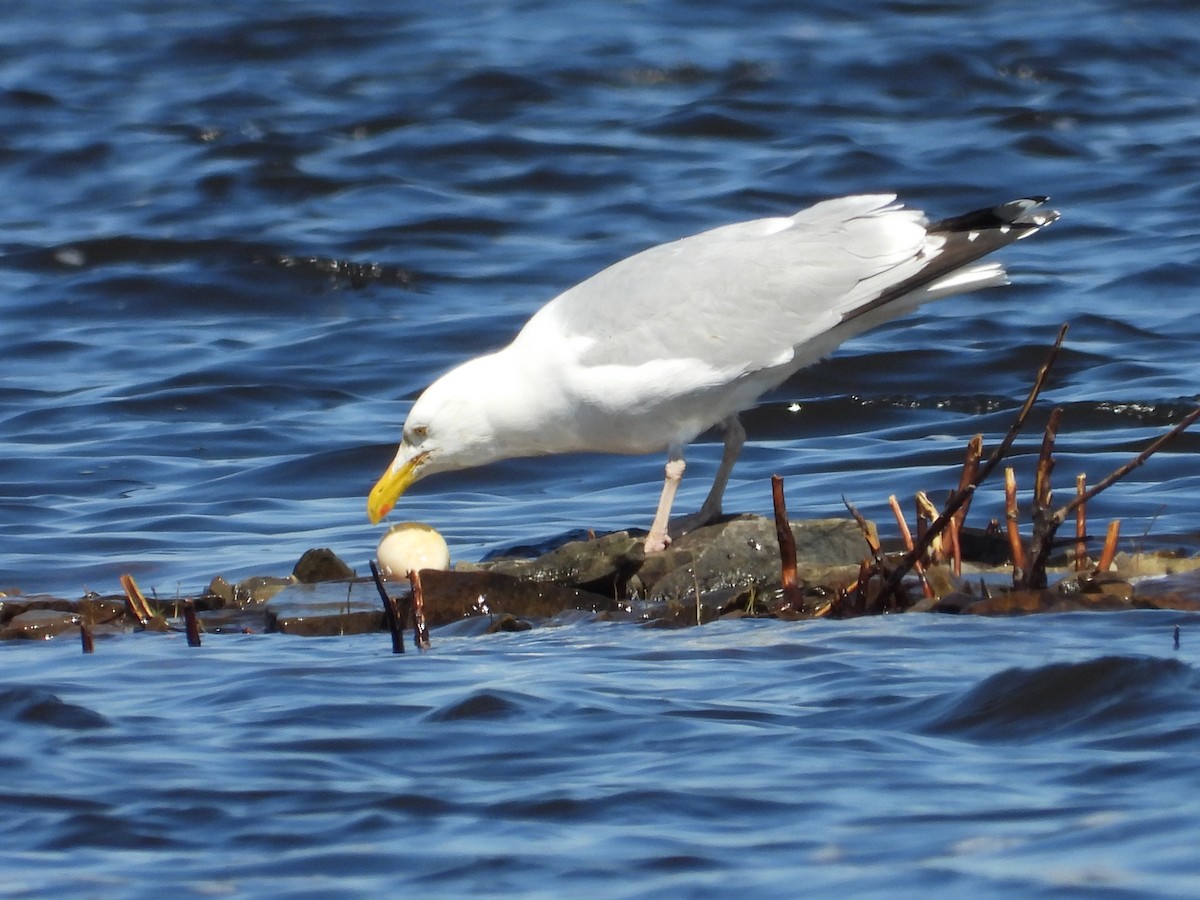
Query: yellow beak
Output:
(390,486)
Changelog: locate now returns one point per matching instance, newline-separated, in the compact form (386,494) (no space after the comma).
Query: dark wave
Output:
(37,706)
(1082,700)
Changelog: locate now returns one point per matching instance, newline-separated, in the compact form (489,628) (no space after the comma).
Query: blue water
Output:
(236,240)
(899,756)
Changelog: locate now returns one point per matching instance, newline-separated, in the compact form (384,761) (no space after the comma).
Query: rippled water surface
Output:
(912,754)
(236,240)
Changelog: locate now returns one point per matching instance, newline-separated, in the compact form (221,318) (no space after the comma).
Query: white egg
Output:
(411,546)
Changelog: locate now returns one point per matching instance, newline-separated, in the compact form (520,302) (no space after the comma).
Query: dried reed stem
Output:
(1045,466)
(955,549)
(190,623)
(135,600)
(906,536)
(391,615)
(1080,524)
(787,544)
(1060,515)
(926,509)
(872,541)
(969,471)
(1012,517)
(1110,546)
(961,497)
(420,629)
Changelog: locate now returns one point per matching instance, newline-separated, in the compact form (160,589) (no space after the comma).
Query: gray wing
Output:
(744,297)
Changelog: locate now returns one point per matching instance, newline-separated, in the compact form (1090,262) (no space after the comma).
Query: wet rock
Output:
(221,589)
(97,610)
(450,596)
(1107,585)
(327,608)
(11,606)
(743,551)
(1178,591)
(319,565)
(1010,603)
(40,624)
(601,565)
(1022,602)
(259,589)
(1151,564)
(232,620)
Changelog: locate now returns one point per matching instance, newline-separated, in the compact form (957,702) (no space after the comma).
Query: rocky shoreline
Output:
(728,569)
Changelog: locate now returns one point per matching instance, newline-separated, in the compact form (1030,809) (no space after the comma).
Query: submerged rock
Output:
(728,569)
(450,596)
(40,624)
(327,608)
(258,590)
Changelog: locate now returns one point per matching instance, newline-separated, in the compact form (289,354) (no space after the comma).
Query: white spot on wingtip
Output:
(972,236)
(1005,229)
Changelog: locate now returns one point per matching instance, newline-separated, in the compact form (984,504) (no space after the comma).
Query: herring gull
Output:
(665,344)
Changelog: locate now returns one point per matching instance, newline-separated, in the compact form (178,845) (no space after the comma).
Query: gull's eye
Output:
(417,433)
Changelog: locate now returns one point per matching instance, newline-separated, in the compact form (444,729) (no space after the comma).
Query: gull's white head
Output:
(449,427)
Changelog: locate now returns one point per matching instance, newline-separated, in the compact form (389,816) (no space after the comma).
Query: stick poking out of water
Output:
(191,623)
(391,614)
(787,545)
(960,497)
(420,629)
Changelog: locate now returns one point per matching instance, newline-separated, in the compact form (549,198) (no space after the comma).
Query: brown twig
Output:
(190,623)
(906,536)
(877,565)
(872,541)
(1080,524)
(955,548)
(955,525)
(135,600)
(969,471)
(1012,518)
(391,615)
(860,587)
(1045,466)
(927,510)
(1060,515)
(787,545)
(1043,522)
(1110,546)
(961,497)
(85,636)
(420,629)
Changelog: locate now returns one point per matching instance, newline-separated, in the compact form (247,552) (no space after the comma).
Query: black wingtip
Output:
(1024,212)
(1027,211)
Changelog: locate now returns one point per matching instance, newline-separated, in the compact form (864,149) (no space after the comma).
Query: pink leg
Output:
(658,539)
(735,437)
